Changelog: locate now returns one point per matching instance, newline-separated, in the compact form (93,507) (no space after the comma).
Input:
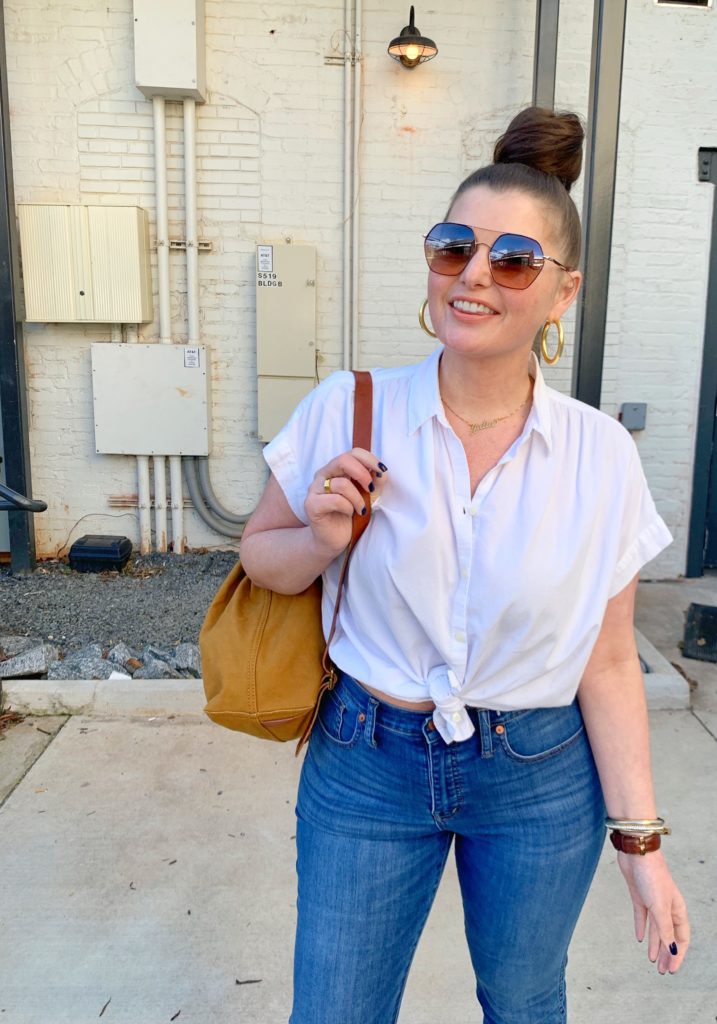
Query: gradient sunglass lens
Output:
(515,260)
(448,248)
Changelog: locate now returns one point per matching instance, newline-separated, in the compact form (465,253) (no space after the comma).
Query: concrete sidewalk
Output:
(148,861)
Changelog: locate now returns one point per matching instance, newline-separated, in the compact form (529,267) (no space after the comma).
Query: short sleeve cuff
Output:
(653,539)
(281,462)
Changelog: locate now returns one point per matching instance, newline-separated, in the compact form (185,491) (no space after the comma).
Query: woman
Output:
(489,686)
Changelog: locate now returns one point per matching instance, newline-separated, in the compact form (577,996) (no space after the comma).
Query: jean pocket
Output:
(539,733)
(338,720)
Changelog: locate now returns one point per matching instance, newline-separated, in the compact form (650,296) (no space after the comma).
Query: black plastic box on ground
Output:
(94,553)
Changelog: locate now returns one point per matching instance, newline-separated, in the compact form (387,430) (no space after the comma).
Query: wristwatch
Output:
(634,843)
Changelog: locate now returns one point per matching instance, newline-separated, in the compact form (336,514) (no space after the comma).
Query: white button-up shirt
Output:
(493,599)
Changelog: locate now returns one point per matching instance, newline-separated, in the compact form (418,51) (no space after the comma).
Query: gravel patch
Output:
(157,599)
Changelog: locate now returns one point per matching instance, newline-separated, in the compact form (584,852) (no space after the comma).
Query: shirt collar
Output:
(424,398)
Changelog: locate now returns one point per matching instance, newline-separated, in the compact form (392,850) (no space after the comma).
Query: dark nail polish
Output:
(372,486)
(363,511)
(381,466)
(378,474)
(673,948)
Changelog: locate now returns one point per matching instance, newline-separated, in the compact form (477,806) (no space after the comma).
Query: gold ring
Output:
(327,484)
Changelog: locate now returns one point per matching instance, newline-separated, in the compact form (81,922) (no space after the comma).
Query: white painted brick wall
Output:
(270,165)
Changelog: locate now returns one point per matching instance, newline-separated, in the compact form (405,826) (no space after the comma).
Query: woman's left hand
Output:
(657,900)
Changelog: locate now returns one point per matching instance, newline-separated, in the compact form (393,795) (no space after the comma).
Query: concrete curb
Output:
(666,689)
(104,696)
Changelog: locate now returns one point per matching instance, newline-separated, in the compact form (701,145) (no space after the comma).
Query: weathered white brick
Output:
(270,164)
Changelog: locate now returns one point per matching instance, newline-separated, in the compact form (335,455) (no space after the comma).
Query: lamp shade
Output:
(411,48)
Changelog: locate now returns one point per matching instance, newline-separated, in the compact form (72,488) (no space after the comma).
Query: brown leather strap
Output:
(363,426)
(635,844)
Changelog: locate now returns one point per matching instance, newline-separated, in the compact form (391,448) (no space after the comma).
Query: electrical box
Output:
(85,263)
(633,415)
(97,553)
(150,399)
(169,48)
(285,331)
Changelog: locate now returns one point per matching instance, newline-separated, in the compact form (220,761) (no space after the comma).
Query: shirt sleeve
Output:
(319,428)
(643,532)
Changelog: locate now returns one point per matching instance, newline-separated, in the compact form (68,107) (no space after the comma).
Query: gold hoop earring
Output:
(561,341)
(422,319)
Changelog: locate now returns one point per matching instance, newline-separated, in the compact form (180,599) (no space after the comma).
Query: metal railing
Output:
(11,501)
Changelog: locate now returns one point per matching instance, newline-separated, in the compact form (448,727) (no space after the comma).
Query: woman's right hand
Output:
(330,512)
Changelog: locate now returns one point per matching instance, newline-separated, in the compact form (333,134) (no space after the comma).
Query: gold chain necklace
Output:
(486,423)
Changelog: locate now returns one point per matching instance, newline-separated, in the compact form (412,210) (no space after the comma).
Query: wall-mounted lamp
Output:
(411,48)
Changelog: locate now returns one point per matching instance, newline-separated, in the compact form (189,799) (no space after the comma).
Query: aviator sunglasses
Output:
(514,260)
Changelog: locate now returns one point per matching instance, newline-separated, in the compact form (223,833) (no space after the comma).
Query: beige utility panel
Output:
(169,48)
(151,399)
(85,263)
(285,331)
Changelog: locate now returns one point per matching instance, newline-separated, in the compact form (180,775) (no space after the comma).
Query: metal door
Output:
(702,546)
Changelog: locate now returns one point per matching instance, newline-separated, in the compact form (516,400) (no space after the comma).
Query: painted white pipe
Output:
(355,185)
(192,241)
(160,174)
(143,503)
(346,237)
(190,213)
(190,204)
(143,500)
(165,327)
(179,541)
(160,502)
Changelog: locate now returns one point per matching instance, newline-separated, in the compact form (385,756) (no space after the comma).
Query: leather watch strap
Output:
(635,844)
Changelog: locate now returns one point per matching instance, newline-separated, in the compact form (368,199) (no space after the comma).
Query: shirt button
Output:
(473,511)
(464,572)
(460,636)
(456,716)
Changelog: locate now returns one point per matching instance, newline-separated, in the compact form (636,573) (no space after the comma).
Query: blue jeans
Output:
(380,799)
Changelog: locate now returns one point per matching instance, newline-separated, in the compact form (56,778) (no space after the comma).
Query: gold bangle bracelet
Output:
(635,829)
(633,821)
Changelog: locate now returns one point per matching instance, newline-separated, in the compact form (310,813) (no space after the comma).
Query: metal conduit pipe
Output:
(144,505)
(356,65)
(190,206)
(206,515)
(160,502)
(160,184)
(198,472)
(210,497)
(143,501)
(346,275)
(179,541)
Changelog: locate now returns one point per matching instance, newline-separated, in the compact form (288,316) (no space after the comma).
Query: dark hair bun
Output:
(550,141)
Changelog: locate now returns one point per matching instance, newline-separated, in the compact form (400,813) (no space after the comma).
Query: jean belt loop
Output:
(370,723)
(486,738)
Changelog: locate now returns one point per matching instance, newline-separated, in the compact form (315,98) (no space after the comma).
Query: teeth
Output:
(472,307)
